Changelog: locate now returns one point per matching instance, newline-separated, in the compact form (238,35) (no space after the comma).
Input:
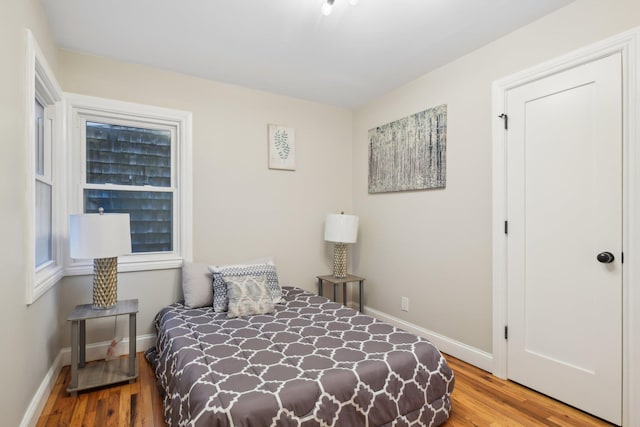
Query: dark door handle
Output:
(605,257)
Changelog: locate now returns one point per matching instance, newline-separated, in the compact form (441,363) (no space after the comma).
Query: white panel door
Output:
(564,190)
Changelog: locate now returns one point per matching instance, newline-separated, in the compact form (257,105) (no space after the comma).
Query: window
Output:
(44,130)
(135,159)
(44,185)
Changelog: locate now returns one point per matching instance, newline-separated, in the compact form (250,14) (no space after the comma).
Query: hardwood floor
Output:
(479,399)
(135,405)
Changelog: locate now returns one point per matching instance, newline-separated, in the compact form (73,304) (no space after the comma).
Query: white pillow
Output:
(197,284)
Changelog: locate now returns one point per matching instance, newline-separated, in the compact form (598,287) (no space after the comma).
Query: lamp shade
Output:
(340,228)
(99,235)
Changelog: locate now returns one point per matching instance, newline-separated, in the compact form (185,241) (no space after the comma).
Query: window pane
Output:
(151,215)
(39,136)
(43,223)
(128,155)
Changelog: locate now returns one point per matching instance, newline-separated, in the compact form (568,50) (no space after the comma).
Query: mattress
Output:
(312,363)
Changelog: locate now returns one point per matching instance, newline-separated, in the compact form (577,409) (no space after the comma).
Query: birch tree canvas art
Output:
(410,153)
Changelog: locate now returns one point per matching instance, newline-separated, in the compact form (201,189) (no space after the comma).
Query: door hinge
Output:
(622,257)
(506,227)
(506,332)
(504,117)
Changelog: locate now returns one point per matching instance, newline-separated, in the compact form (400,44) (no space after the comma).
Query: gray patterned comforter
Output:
(312,363)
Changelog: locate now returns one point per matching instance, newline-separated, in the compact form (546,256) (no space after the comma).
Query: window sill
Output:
(43,281)
(84,267)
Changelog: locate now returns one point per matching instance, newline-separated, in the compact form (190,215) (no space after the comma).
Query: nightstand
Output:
(335,281)
(103,372)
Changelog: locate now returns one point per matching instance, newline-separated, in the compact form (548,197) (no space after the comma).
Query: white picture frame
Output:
(282,147)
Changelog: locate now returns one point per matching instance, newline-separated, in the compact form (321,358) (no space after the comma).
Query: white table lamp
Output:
(102,237)
(342,230)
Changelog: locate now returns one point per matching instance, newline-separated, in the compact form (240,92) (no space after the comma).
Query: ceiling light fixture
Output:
(327,6)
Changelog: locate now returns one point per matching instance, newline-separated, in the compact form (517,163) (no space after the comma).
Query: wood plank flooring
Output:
(479,399)
(136,405)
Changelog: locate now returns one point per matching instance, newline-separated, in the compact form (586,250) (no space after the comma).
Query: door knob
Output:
(605,257)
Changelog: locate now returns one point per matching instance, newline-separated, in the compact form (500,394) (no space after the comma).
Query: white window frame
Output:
(41,84)
(81,107)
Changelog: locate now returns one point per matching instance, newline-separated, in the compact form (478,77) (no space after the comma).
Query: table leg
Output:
(74,355)
(344,294)
(360,294)
(335,292)
(83,344)
(132,344)
(320,287)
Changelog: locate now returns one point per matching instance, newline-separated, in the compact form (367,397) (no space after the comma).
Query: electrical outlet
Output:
(404,303)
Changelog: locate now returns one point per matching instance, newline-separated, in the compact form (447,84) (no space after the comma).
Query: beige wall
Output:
(435,246)
(241,209)
(431,246)
(29,334)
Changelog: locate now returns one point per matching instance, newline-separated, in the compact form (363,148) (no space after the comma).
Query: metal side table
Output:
(341,281)
(103,372)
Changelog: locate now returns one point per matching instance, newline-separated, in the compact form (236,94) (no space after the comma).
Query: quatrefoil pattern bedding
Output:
(312,363)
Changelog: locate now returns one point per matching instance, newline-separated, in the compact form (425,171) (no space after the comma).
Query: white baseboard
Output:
(36,405)
(464,352)
(95,351)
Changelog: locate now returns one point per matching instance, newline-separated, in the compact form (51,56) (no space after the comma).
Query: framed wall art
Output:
(282,147)
(410,153)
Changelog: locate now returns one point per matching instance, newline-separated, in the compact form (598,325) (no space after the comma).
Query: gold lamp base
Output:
(340,260)
(105,282)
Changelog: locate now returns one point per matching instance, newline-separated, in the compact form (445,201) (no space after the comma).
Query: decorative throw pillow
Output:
(221,273)
(248,295)
(196,285)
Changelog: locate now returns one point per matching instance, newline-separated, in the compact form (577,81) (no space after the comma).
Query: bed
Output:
(312,362)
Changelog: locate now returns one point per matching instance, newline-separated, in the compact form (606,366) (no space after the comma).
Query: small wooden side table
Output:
(335,281)
(102,372)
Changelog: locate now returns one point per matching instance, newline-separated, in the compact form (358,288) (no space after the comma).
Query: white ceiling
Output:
(287,46)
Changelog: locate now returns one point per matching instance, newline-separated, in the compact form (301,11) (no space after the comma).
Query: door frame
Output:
(628,44)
